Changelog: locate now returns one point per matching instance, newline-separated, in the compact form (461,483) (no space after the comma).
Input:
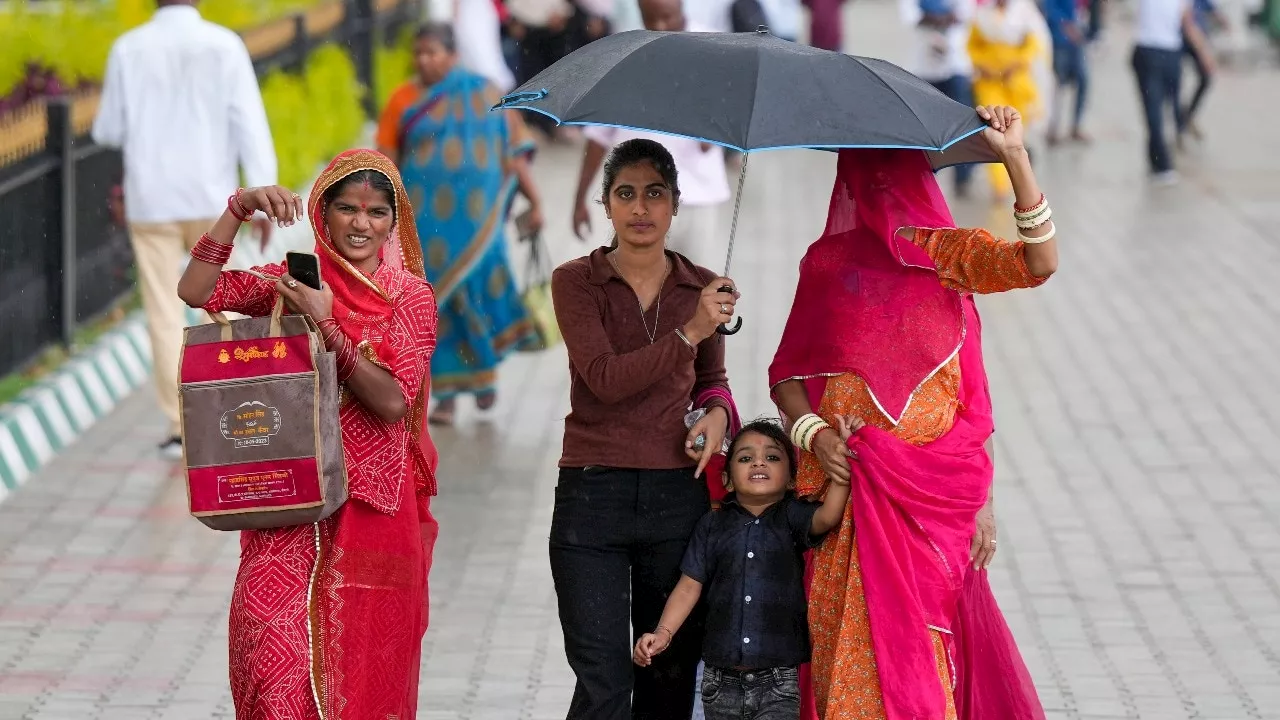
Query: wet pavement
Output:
(1138,486)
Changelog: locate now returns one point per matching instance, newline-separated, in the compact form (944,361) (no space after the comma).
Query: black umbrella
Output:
(750,92)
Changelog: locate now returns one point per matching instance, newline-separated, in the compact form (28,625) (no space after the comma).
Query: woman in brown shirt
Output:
(639,323)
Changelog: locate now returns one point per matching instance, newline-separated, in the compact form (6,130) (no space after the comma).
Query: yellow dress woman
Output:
(1006,48)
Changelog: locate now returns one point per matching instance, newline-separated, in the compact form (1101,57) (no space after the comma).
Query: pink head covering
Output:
(869,301)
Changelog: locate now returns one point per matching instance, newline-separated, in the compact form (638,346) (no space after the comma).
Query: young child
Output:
(749,554)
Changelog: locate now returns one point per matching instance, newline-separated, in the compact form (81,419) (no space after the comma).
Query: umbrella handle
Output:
(725,329)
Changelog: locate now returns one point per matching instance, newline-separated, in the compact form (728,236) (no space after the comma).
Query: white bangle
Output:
(1053,230)
(806,429)
(1027,223)
(680,334)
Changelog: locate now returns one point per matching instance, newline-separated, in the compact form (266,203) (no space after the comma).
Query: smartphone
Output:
(304,267)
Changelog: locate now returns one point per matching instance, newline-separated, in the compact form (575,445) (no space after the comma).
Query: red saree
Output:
(327,620)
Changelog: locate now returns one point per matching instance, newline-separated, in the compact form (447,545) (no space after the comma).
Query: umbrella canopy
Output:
(752,91)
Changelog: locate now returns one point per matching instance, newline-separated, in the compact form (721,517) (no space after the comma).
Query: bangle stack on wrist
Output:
(211,251)
(236,208)
(346,354)
(1032,218)
(806,429)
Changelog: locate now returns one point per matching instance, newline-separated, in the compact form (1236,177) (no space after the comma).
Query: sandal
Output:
(443,414)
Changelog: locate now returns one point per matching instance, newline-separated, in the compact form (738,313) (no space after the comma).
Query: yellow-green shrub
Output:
(314,115)
(73,38)
(392,65)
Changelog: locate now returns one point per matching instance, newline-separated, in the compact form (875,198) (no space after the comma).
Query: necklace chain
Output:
(657,314)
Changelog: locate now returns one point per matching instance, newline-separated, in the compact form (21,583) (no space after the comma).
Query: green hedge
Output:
(317,114)
(73,38)
(314,115)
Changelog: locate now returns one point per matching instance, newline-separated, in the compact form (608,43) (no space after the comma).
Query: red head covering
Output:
(359,299)
(869,301)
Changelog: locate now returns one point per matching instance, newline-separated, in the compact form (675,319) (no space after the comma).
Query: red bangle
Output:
(211,251)
(1033,205)
(347,359)
(236,208)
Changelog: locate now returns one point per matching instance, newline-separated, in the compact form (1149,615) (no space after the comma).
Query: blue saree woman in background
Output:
(458,161)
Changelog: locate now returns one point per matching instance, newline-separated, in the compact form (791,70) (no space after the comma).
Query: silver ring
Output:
(292,284)
(724,309)
(993,543)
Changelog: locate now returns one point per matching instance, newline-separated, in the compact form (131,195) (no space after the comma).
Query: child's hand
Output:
(649,645)
(847,426)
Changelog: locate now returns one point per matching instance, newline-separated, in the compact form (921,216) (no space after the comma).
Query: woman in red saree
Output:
(884,328)
(327,620)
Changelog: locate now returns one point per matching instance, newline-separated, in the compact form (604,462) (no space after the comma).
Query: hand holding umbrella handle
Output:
(725,329)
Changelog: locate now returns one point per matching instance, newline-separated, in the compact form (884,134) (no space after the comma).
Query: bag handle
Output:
(273,330)
(537,269)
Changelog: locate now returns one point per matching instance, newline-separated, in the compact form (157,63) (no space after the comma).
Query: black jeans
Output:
(540,48)
(1159,74)
(960,89)
(617,539)
(751,695)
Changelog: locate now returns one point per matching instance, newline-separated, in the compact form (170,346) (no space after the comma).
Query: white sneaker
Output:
(1165,179)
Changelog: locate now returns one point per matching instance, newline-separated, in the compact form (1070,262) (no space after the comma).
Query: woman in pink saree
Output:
(884,329)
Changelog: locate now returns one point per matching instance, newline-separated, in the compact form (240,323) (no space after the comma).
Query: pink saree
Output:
(888,320)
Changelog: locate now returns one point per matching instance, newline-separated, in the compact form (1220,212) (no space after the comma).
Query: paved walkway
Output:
(1137,459)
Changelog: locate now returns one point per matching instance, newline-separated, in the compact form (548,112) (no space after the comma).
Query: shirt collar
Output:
(179,13)
(683,271)
(731,501)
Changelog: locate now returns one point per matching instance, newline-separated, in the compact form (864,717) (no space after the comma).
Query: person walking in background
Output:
(478,26)
(826,26)
(626,16)
(704,182)
(783,17)
(593,20)
(1070,65)
(1004,45)
(1208,18)
(542,29)
(941,55)
(462,165)
(185,144)
(1164,28)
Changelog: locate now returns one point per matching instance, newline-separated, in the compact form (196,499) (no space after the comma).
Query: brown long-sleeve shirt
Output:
(629,396)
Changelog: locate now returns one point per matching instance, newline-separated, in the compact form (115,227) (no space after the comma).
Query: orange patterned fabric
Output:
(845,680)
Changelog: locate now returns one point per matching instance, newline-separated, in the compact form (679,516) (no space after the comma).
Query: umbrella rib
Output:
(894,90)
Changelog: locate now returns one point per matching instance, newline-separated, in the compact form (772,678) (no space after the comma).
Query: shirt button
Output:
(757,522)
(751,554)
(748,598)
(746,641)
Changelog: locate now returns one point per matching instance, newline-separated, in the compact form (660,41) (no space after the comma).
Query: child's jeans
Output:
(772,694)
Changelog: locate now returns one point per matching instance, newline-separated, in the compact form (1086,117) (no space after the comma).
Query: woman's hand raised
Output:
(714,308)
(282,205)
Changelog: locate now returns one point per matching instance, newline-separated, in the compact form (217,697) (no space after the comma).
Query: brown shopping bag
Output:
(260,434)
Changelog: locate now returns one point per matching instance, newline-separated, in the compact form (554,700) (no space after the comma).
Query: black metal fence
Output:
(65,256)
